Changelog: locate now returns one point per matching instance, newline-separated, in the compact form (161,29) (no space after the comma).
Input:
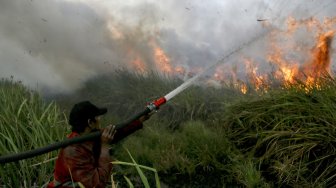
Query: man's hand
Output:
(108,134)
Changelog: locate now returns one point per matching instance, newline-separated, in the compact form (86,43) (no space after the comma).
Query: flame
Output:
(180,70)
(259,81)
(317,65)
(286,70)
(292,25)
(161,60)
(292,62)
(243,88)
(139,65)
(321,56)
(289,71)
(320,63)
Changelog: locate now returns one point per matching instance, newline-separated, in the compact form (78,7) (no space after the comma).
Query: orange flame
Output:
(307,69)
(160,58)
(321,55)
(180,70)
(243,88)
(139,65)
(259,81)
(320,63)
(288,68)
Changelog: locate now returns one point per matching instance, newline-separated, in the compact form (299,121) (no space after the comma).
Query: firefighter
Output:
(89,163)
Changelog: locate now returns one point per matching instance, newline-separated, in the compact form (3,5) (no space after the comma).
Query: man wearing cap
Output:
(88,163)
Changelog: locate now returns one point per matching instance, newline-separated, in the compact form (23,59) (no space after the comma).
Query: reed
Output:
(27,122)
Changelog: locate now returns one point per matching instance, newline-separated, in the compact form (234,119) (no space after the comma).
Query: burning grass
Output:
(205,136)
(300,52)
(290,133)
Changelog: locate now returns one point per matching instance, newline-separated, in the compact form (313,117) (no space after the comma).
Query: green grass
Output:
(140,172)
(26,122)
(291,133)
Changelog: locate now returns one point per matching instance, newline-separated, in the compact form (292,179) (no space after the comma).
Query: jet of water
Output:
(225,59)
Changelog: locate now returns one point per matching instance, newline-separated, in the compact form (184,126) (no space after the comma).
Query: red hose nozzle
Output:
(156,104)
(159,102)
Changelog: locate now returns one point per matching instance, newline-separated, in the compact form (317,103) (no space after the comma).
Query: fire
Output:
(287,73)
(320,63)
(259,81)
(139,65)
(161,60)
(135,61)
(292,62)
(180,70)
(290,71)
(243,88)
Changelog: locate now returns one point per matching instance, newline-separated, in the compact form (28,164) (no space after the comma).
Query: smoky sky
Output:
(55,45)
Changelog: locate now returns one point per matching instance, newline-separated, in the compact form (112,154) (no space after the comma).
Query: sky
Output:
(55,45)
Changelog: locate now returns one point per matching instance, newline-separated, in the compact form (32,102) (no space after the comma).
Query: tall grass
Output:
(291,133)
(26,122)
(140,172)
(193,155)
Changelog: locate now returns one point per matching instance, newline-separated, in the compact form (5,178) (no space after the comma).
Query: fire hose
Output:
(153,106)
(39,151)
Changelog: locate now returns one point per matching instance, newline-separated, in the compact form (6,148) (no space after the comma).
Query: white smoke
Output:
(57,44)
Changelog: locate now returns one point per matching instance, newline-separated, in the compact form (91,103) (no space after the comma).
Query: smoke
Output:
(52,44)
(55,45)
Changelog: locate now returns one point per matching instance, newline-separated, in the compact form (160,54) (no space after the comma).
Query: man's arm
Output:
(127,130)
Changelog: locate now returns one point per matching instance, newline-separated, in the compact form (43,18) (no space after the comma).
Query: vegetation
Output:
(26,122)
(290,133)
(204,136)
(140,172)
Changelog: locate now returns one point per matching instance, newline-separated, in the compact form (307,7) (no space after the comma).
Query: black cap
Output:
(83,111)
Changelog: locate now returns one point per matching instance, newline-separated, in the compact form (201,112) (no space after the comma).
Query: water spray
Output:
(151,107)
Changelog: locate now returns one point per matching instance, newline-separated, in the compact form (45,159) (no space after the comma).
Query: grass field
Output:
(203,137)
